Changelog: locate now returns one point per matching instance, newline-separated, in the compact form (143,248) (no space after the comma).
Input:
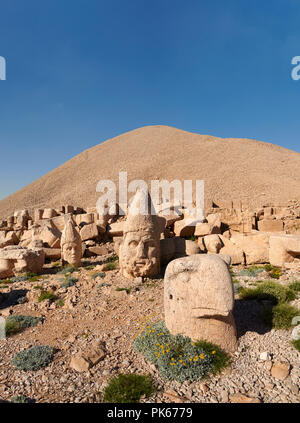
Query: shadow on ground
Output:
(247,317)
(11,299)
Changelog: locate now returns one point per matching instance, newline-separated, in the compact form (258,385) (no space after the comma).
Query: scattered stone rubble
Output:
(229,227)
(30,239)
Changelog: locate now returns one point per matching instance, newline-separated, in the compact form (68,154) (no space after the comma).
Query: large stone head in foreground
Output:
(199,300)
(139,250)
(71,245)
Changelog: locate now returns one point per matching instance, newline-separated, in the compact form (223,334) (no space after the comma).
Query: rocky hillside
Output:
(243,169)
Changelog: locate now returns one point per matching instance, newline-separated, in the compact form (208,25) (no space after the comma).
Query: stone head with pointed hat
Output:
(140,248)
(71,245)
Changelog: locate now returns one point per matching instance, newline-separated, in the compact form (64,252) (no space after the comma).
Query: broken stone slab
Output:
(52,253)
(98,250)
(89,231)
(284,249)
(8,238)
(270,225)
(115,229)
(16,259)
(280,370)
(240,398)
(86,218)
(84,360)
(185,227)
(49,213)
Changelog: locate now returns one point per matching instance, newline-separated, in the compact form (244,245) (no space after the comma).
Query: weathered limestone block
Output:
(115,229)
(140,248)
(8,238)
(270,225)
(49,213)
(254,246)
(71,244)
(292,226)
(172,248)
(212,244)
(234,251)
(86,218)
(49,236)
(97,250)
(52,253)
(199,300)
(284,249)
(16,259)
(268,212)
(89,232)
(58,222)
(184,227)
(38,214)
(203,229)
(214,220)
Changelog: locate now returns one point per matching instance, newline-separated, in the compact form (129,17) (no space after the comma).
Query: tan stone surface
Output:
(139,251)
(16,259)
(270,225)
(284,249)
(199,299)
(89,232)
(71,244)
(280,370)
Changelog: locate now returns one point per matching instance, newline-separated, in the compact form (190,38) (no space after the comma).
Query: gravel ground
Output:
(100,313)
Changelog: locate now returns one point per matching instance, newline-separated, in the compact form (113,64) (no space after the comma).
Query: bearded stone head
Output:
(139,250)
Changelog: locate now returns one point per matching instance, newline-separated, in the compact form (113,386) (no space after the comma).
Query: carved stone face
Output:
(199,299)
(71,253)
(139,254)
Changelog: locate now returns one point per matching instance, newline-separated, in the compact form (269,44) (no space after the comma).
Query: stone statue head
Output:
(199,299)
(71,245)
(139,250)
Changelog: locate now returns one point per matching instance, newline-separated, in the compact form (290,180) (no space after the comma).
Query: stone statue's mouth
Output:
(208,311)
(141,262)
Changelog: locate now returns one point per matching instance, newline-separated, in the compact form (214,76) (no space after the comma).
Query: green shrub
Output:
(177,357)
(34,358)
(60,303)
(18,322)
(19,279)
(22,300)
(38,287)
(274,272)
(295,286)
(280,316)
(67,269)
(128,290)
(68,281)
(98,275)
(296,344)
(34,279)
(128,388)
(101,285)
(5,281)
(20,399)
(251,271)
(110,266)
(90,267)
(271,291)
(47,295)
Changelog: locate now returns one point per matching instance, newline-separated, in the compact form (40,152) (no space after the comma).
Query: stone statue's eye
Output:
(133,244)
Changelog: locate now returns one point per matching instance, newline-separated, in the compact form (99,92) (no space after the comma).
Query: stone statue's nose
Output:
(141,250)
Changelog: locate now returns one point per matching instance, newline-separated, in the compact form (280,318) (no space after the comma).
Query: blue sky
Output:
(82,71)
